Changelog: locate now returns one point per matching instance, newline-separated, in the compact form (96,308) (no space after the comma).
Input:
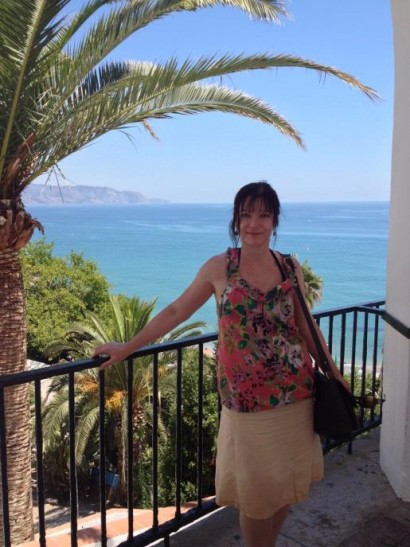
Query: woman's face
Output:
(256,225)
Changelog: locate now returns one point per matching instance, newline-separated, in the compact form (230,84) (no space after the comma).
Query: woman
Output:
(267,453)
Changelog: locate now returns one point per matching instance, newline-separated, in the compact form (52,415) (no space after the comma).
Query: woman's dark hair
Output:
(255,192)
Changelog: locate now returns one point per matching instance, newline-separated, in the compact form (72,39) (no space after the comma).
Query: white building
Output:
(395,436)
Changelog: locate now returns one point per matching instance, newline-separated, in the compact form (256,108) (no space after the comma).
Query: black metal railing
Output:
(355,338)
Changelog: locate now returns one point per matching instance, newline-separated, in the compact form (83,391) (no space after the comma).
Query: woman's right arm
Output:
(198,292)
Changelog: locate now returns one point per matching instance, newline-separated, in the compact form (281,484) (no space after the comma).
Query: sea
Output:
(155,250)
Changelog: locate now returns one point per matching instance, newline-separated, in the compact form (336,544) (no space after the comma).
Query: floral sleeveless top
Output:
(262,359)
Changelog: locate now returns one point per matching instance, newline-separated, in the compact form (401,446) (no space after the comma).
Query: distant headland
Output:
(45,194)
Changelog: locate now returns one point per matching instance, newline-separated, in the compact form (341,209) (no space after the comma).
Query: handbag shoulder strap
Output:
(291,272)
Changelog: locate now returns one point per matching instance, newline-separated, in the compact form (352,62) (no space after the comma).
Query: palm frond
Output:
(58,347)
(58,94)
(75,22)
(140,312)
(57,383)
(86,426)
(194,328)
(116,378)
(149,418)
(26,29)
(99,334)
(119,319)
(121,94)
(112,28)
(313,284)
(55,416)
(83,126)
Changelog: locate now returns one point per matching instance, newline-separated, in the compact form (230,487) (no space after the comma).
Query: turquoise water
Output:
(155,250)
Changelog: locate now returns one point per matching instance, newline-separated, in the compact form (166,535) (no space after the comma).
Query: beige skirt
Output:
(267,459)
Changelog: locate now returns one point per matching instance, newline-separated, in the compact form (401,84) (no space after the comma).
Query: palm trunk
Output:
(13,359)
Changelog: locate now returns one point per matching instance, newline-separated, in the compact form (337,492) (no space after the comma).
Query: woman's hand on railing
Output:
(114,350)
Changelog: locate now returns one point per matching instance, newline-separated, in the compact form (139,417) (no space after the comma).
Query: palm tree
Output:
(313,284)
(58,93)
(124,318)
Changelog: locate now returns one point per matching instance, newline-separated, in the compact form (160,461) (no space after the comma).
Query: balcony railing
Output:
(354,335)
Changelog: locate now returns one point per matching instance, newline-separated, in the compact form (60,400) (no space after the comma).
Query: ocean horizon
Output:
(155,250)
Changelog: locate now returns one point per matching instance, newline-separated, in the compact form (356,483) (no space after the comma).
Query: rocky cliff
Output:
(46,194)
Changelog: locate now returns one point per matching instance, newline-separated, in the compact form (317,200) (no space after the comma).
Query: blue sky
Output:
(207,157)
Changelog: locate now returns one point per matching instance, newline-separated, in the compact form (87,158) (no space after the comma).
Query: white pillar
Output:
(395,434)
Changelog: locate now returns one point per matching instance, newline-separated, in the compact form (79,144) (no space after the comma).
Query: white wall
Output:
(395,435)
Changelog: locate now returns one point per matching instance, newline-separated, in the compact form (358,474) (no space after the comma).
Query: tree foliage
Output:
(58,291)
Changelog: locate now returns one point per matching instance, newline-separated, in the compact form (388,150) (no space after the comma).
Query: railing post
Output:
(73,467)
(199,463)
(130,446)
(155,404)
(178,462)
(103,497)
(39,463)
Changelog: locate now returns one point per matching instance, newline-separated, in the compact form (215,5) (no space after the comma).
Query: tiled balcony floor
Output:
(354,506)
(117,527)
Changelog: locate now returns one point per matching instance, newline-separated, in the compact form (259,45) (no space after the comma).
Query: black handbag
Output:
(334,415)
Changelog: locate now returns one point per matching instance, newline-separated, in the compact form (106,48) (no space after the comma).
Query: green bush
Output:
(189,433)
(58,292)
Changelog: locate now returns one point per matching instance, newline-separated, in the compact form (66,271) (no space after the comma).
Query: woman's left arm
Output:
(307,335)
